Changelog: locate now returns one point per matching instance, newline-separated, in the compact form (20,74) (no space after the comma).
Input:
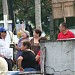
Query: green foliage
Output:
(46,9)
(25,8)
(26,11)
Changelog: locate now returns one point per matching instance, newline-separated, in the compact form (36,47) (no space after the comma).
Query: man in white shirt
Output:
(4,48)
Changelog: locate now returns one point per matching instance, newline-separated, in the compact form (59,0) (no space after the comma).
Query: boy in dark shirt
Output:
(27,60)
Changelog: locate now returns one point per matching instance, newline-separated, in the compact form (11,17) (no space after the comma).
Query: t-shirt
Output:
(28,60)
(68,34)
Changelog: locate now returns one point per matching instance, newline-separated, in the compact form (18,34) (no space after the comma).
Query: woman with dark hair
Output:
(42,39)
(34,41)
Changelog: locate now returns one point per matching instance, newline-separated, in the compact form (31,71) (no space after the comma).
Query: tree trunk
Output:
(38,14)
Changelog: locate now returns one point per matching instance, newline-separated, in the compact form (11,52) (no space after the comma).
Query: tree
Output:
(46,10)
(26,10)
(38,14)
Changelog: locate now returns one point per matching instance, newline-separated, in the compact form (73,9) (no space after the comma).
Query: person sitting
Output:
(27,59)
(42,39)
(24,36)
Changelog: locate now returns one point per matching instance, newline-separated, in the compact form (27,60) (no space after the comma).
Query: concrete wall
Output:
(60,57)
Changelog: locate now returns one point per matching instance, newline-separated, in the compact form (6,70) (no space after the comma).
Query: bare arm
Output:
(37,58)
(19,63)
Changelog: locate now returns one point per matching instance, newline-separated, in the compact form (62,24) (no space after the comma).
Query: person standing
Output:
(34,41)
(42,39)
(65,33)
(5,51)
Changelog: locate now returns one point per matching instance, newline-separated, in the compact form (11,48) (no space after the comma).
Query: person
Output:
(25,36)
(3,66)
(29,28)
(34,41)
(65,33)
(42,39)
(26,61)
(5,51)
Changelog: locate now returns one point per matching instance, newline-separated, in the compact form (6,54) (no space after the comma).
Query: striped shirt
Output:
(4,48)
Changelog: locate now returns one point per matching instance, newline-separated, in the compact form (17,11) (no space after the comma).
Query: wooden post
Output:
(63,12)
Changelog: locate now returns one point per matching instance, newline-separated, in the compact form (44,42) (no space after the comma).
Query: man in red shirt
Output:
(64,32)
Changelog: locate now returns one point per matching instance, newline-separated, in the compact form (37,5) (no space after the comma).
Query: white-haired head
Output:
(3,66)
(27,33)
